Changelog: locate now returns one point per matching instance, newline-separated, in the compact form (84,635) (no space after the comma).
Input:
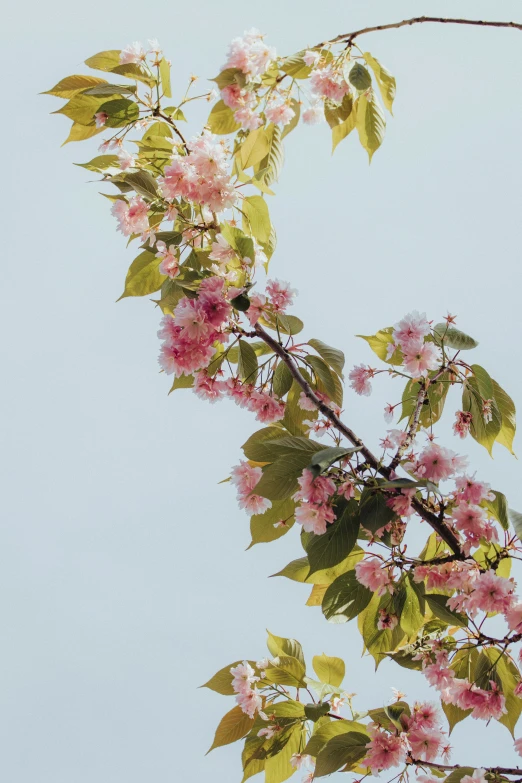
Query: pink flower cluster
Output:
(484,704)
(196,326)
(315,511)
(243,683)
(422,738)
(250,54)
(132,216)
(371,573)
(201,176)
(329,82)
(436,463)
(245,477)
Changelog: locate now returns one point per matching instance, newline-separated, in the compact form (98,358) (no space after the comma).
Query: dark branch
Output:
(445,533)
(348,38)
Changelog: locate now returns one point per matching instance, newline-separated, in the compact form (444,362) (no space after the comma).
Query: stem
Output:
(419,505)
(350,37)
(412,429)
(449,767)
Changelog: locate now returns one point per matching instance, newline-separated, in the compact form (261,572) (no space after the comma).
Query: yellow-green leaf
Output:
(143,276)
(104,61)
(370,123)
(81,132)
(385,80)
(221,119)
(233,726)
(256,217)
(72,85)
(329,669)
(164,69)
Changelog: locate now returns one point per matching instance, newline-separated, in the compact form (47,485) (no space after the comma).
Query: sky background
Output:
(124,583)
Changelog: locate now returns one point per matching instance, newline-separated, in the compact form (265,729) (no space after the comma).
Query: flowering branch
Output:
(349,38)
(447,535)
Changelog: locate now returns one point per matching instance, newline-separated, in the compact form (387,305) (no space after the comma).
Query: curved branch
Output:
(450,767)
(445,533)
(350,37)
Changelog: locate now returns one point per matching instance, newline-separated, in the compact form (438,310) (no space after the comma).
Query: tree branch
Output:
(445,533)
(350,37)
(412,429)
(450,767)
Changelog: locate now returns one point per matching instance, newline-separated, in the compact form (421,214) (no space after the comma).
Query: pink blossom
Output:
(233,96)
(280,294)
(280,114)
(330,83)
(346,490)
(479,776)
(131,217)
(249,54)
(314,490)
(133,53)
(100,118)
(126,160)
(244,676)
(462,423)
(250,702)
(248,119)
(189,314)
(514,617)
(371,574)
(169,259)
(436,463)
(401,503)
(360,379)
(473,491)
(425,716)
(388,412)
(425,743)
(311,58)
(491,593)
(386,621)
(254,504)
(419,359)
(221,250)
(207,388)
(267,408)
(245,477)
(518,746)
(314,114)
(257,305)
(297,760)
(384,750)
(314,519)
(411,330)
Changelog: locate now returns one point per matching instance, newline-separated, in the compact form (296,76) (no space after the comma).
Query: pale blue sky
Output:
(123,578)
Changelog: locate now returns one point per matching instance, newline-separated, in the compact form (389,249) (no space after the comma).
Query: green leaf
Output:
(333,357)
(281,646)
(296,67)
(331,548)
(221,120)
(255,447)
(337,113)
(255,211)
(330,670)
(100,163)
(175,113)
(254,148)
(221,682)
(374,512)
(499,508)
(272,164)
(111,89)
(345,750)
(277,766)
(457,774)
(134,71)
(506,408)
(279,480)
(323,459)
(345,598)
(121,112)
(164,69)
(282,380)
(385,80)
(370,123)
(515,518)
(388,716)
(81,109)
(315,712)
(72,85)
(286,670)
(247,365)
(264,527)
(182,382)
(299,570)
(358,76)
(438,605)
(294,414)
(143,276)
(477,388)
(233,726)
(453,338)
(379,344)
(104,61)
(145,184)
(411,616)
(294,122)
(342,130)
(330,730)
(227,77)
(434,402)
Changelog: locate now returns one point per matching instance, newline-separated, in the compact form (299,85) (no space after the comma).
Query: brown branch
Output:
(350,37)
(158,113)
(450,767)
(445,533)
(412,429)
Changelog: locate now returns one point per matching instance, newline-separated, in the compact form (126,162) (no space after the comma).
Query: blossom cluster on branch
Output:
(199,209)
